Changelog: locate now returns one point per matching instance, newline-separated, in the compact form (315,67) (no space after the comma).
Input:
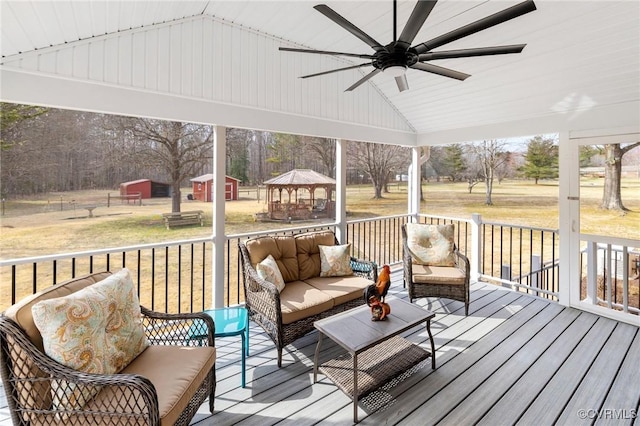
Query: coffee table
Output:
(375,351)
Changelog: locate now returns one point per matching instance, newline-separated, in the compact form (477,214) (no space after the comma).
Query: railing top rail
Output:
(610,240)
(530,228)
(459,219)
(278,231)
(51,257)
(371,219)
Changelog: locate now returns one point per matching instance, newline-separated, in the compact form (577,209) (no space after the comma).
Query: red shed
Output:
(146,187)
(203,188)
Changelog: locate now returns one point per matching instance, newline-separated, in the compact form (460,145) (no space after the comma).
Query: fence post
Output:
(476,246)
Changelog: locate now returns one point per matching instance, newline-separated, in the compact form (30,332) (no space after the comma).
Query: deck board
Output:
(515,359)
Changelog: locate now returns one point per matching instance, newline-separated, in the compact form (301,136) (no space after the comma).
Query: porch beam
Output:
(414,184)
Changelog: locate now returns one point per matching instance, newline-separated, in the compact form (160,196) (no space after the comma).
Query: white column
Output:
(413,190)
(219,238)
(569,220)
(341,190)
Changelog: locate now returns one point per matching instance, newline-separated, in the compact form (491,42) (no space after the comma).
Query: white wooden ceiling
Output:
(579,71)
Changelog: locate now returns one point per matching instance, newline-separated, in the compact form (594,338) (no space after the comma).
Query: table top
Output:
(231,320)
(354,330)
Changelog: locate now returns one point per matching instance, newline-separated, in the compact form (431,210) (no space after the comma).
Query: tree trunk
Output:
(489,188)
(175,198)
(612,198)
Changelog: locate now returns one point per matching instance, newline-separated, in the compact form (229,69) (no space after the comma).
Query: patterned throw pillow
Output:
(96,330)
(268,270)
(335,261)
(431,245)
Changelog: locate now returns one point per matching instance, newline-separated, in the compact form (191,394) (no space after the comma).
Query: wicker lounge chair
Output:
(445,275)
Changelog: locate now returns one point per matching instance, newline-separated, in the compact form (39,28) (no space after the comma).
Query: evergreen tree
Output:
(541,159)
(454,162)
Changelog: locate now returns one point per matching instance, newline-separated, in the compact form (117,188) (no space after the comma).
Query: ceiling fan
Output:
(399,55)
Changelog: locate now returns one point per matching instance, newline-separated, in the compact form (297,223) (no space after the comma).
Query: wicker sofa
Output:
(289,314)
(165,384)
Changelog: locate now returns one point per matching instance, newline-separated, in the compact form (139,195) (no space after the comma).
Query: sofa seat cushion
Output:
(175,381)
(341,289)
(437,274)
(282,249)
(299,300)
(308,252)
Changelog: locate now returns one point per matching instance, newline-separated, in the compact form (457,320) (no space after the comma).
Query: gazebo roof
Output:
(301,177)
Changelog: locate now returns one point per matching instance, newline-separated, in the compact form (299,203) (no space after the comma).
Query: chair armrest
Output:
(365,268)
(175,329)
(261,297)
(25,370)
(462,262)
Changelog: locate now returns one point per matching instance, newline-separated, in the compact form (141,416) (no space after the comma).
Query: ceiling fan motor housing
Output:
(394,56)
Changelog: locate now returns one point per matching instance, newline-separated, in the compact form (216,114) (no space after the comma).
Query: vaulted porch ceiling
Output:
(218,62)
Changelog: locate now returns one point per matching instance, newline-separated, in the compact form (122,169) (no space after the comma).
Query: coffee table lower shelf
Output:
(376,366)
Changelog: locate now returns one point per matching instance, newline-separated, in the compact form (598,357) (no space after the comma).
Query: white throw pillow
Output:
(335,261)
(268,270)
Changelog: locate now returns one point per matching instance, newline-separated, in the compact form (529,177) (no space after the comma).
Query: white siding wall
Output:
(208,59)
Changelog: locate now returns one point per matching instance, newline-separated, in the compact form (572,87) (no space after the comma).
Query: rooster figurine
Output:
(375,293)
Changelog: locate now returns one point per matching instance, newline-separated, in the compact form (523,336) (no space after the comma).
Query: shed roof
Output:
(301,177)
(209,176)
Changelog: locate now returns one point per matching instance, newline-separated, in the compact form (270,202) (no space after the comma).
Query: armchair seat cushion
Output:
(300,300)
(438,274)
(175,380)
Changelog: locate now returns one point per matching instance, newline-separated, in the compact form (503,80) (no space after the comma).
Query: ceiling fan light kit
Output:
(396,57)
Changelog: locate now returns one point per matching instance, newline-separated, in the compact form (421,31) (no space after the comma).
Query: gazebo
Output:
(292,195)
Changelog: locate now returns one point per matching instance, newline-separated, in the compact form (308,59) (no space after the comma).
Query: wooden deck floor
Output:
(515,359)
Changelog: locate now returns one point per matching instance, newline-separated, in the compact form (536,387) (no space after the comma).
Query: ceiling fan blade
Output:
(420,13)
(479,25)
(326,52)
(362,80)
(466,53)
(434,69)
(336,70)
(402,83)
(338,19)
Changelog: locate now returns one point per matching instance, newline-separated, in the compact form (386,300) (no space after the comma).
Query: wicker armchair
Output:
(263,302)
(451,282)
(124,398)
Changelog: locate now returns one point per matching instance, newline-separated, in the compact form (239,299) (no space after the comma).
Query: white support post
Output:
(569,220)
(413,192)
(219,238)
(476,247)
(341,191)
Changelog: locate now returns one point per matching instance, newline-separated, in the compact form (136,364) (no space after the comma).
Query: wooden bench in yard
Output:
(195,217)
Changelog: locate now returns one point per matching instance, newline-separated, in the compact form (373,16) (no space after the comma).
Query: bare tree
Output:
(489,155)
(378,161)
(180,149)
(325,151)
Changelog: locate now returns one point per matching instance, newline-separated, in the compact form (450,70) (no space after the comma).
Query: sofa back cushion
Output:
(282,249)
(308,252)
